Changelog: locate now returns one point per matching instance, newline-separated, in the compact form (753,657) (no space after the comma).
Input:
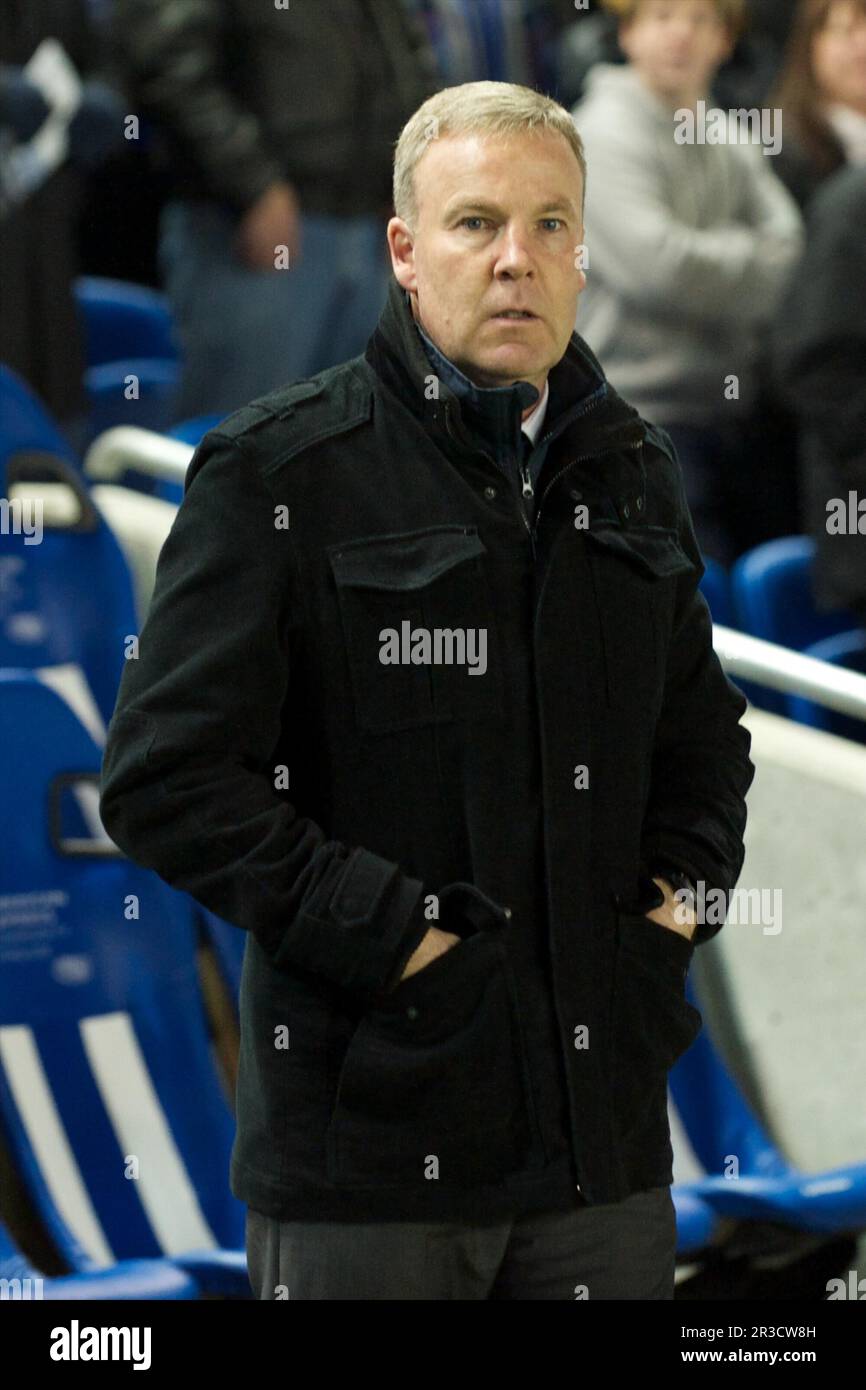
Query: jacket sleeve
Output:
(727,273)
(170,55)
(701,770)
(188,776)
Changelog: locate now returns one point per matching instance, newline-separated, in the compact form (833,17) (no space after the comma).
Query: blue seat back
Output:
(193,431)
(774,600)
(773,592)
(109,1098)
(123,320)
(846,649)
(25,424)
(65,598)
(131,391)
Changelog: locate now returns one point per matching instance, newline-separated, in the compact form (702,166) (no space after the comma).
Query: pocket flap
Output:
(409,560)
(655,550)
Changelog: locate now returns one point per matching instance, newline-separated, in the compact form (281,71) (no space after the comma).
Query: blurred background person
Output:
(820,360)
(498,40)
(744,79)
(689,246)
(277,125)
(822,91)
(40,333)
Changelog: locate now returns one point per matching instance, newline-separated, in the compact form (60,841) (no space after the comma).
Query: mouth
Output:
(515,316)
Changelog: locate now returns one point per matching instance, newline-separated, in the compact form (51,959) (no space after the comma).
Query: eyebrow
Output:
(476,206)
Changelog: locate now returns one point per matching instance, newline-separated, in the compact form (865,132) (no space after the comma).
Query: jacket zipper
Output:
(532,531)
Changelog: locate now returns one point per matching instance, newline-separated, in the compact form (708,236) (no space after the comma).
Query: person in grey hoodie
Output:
(689,246)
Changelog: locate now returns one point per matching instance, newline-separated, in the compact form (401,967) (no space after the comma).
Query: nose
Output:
(514,256)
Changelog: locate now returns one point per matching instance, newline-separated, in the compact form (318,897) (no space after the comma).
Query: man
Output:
(682,290)
(278,123)
(423,701)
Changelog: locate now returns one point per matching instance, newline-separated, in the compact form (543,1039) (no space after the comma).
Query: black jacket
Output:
(532,1056)
(244,93)
(820,362)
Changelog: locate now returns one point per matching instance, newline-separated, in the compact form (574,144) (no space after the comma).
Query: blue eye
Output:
(470,219)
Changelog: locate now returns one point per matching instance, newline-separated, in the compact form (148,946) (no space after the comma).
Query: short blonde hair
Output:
(733,13)
(475,108)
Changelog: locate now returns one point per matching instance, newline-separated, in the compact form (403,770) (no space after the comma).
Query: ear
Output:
(401,245)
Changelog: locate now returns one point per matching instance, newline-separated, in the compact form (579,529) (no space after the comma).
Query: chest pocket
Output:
(634,574)
(419,628)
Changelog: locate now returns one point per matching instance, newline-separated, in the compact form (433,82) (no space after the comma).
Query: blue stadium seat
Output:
(128,333)
(719,1123)
(192,431)
(774,600)
(846,649)
(25,425)
(150,408)
(772,587)
(133,1279)
(110,1103)
(123,320)
(65,601)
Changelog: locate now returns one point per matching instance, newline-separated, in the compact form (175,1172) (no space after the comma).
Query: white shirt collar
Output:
(850,127)
(532,424)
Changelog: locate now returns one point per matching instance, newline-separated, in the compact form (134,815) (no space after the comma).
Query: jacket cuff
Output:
(711,874)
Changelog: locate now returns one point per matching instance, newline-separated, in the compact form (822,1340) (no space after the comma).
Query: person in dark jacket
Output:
(820,363)
(278,125)
(41,335)
(427,702)
(822,92)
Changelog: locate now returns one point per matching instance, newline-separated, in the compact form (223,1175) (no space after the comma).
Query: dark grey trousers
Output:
(620,1250)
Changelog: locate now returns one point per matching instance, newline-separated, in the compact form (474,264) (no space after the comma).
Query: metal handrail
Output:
(127,446)
(751,658)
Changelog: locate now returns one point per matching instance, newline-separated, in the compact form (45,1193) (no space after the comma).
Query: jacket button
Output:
(490,493)
(626,513)
(639,504)
(507,912)
(411,1011)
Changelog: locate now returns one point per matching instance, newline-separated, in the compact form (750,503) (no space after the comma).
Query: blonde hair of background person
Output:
(733,13)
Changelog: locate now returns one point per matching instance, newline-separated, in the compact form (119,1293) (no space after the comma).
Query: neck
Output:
(538,383)
(686,96)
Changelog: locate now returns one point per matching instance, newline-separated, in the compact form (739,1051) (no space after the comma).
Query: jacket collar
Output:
(585,415)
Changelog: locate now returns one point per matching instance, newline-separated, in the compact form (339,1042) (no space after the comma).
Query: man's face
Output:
(676,45)
(499,227)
